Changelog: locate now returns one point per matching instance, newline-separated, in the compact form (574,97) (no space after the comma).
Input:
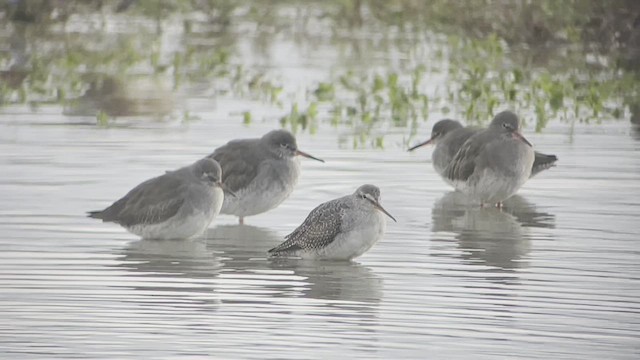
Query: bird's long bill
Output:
(226,189)
(421,144)
(379,207)
(517,135)
(302,153)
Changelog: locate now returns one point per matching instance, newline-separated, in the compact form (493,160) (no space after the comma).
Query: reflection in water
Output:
(240,244)
(349,293)
(498,238)
(328,280)
(635,130)
(244,248)
(131,96)
(351,290)
(177,270)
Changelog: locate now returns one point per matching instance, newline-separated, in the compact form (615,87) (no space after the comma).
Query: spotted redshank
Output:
(493,163)
(179,204)
(262,172)
(340,229)
(449,135)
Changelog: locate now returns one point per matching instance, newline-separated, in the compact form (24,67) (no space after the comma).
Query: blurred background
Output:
(360,65)
(98,96)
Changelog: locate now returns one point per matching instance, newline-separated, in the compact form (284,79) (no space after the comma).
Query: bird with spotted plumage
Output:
(340,229)
(262,172)
(179,204)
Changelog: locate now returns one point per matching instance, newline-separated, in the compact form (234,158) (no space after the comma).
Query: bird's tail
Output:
(542,162)
(285,248)
(95,214)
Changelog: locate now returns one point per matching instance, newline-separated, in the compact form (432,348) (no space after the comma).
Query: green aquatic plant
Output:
(397,62)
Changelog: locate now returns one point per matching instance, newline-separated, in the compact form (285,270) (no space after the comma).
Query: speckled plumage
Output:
(178,204)
(262,172)
(340,229)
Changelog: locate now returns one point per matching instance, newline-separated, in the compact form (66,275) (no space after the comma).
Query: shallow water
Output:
(554,275)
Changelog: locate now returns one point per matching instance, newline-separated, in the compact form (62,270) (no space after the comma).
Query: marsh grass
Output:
(574,60)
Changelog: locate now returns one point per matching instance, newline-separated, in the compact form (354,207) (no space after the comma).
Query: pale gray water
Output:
(555,275)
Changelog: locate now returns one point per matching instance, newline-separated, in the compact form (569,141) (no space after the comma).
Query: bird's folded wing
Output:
(238,169)
(465,161)
(153,201)
(318,230)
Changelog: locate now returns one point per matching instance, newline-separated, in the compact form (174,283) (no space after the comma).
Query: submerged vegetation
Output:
(391,64)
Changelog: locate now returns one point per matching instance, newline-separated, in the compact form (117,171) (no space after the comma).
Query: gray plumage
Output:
(262,172)
(494,163)
(449,136)
(339,229)
(542,162)
(177,204)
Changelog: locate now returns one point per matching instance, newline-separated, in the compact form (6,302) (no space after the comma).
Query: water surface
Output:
(554,275)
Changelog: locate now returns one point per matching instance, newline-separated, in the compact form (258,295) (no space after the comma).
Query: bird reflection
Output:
(351,290)
(635,131)
(177,270)
(346,292)
(497,238)
(243,248)
(328,280)
(239,245)
(120,96)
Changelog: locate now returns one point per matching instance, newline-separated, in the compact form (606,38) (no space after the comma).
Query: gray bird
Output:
(340,229)
(493,163)
(179,204)
(262,172)
(449,135)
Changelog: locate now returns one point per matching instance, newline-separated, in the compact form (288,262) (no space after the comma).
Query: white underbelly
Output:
(188,223)
(352,243)
(492,187)
(267,191)
(185,228)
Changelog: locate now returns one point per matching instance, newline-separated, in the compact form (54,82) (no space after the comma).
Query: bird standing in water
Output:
(448,136)
(493,163)
(179,204)
(340,229)
(262,172)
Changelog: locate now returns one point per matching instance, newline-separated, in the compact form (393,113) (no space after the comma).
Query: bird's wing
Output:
(465,161)
(238,163)
(318,230)
(459,137)
(153,201)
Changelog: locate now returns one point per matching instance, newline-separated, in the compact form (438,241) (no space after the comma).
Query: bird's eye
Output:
(505,125)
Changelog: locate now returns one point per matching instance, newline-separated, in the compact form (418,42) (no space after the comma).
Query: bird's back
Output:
(152,201)
(447,148)
(260,179)
(463,164)
(240,161)
(318,230)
